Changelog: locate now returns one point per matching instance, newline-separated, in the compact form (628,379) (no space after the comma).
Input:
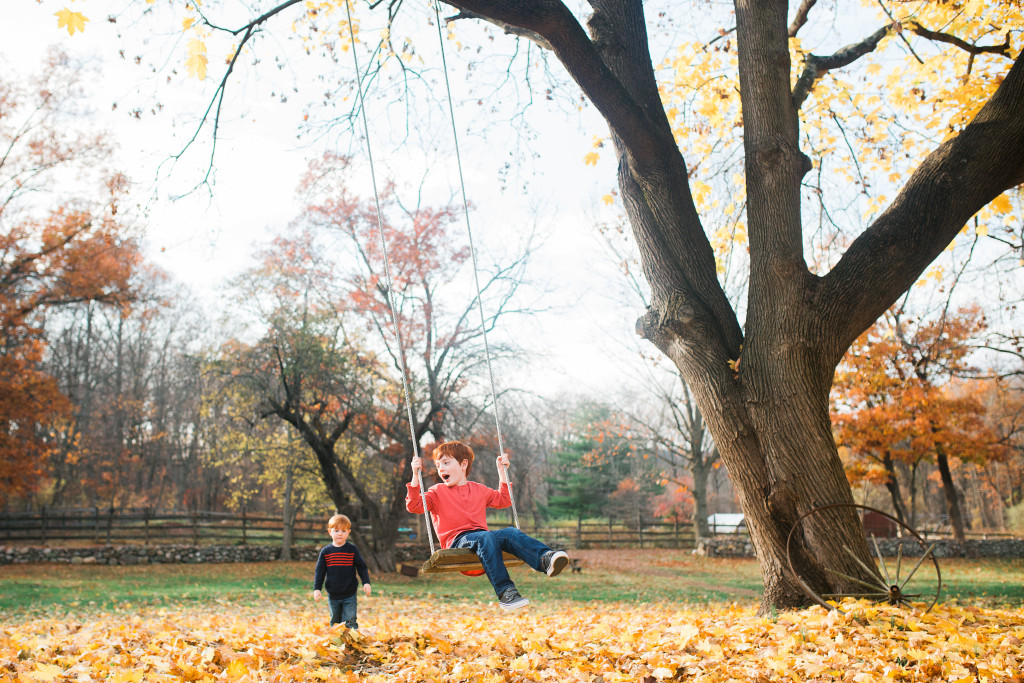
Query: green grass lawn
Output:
(625,576)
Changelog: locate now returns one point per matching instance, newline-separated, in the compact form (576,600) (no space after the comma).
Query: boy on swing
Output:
(458,508)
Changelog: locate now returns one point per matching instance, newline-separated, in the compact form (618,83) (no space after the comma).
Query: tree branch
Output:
(509,29)
(937,36)
(800,18)
(553,21)
(815,66)
(217,101)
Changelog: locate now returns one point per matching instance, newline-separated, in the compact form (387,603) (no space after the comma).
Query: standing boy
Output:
(458,508)
(338,563)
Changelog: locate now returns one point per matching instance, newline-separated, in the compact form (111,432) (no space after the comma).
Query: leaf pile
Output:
(406,640)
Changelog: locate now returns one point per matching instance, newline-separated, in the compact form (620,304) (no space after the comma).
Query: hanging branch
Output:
(900,33)
(217,100)
(722,33)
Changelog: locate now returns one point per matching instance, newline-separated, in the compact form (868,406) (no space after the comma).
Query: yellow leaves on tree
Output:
(72,21)
(196,60)
(866,125)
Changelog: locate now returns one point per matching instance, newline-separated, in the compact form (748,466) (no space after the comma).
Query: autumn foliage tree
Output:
(896,401)
(55,250)
(306,370)
(433,302)
(328,361)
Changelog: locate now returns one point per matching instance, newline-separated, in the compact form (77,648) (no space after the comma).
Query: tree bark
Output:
(700,500)
(956,520)
(892,484)
(287,516)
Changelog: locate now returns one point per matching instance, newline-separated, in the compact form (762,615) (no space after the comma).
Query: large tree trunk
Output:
(776,442)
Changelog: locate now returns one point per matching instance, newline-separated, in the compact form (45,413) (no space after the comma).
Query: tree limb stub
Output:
(673,310)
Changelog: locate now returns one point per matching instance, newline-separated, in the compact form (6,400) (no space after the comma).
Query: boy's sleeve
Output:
(499,499)
(321,571)
(413,501)
(364,574)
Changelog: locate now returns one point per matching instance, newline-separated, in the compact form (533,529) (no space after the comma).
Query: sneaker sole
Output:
(523,602)
(560,563)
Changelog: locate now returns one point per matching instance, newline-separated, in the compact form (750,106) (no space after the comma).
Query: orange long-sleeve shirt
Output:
(455,509)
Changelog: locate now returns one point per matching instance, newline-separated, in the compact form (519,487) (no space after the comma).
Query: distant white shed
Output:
(726,523)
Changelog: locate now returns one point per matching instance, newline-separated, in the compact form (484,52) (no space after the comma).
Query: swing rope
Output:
(472,252)
(392,302)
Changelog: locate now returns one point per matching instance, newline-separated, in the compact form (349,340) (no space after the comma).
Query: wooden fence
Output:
(126,526)
(646,533)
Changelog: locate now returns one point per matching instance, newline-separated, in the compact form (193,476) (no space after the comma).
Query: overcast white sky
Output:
(586,340)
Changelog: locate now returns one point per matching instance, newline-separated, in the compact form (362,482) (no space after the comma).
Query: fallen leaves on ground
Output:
(418,640)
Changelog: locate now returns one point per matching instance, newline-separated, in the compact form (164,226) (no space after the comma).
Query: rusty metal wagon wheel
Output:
(891,581)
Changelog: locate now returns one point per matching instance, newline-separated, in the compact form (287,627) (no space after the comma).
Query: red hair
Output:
(454,449)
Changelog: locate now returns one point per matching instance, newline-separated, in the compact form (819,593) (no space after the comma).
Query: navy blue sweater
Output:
(338,565)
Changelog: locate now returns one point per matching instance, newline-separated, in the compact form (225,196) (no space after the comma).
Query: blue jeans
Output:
(488,545)
(344,611)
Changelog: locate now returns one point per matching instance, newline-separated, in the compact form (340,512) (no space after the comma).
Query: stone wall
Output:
(175,554)
(740,546)
(152,554)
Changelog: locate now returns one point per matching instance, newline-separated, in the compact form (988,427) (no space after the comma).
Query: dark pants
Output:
(488,545)
(343,611)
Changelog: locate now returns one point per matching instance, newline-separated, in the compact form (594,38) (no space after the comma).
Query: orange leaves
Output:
(893,393)
(65,258)
(406,640)
(59,251)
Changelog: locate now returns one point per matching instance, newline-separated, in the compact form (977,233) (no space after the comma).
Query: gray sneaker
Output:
(511,599)
(554,562)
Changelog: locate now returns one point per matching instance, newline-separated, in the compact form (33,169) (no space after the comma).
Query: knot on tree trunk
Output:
(782,500)
(671,311)
(805,164)
(605,38)
(774,153)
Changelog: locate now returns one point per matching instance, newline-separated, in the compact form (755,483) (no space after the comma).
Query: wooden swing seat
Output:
(460,560)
